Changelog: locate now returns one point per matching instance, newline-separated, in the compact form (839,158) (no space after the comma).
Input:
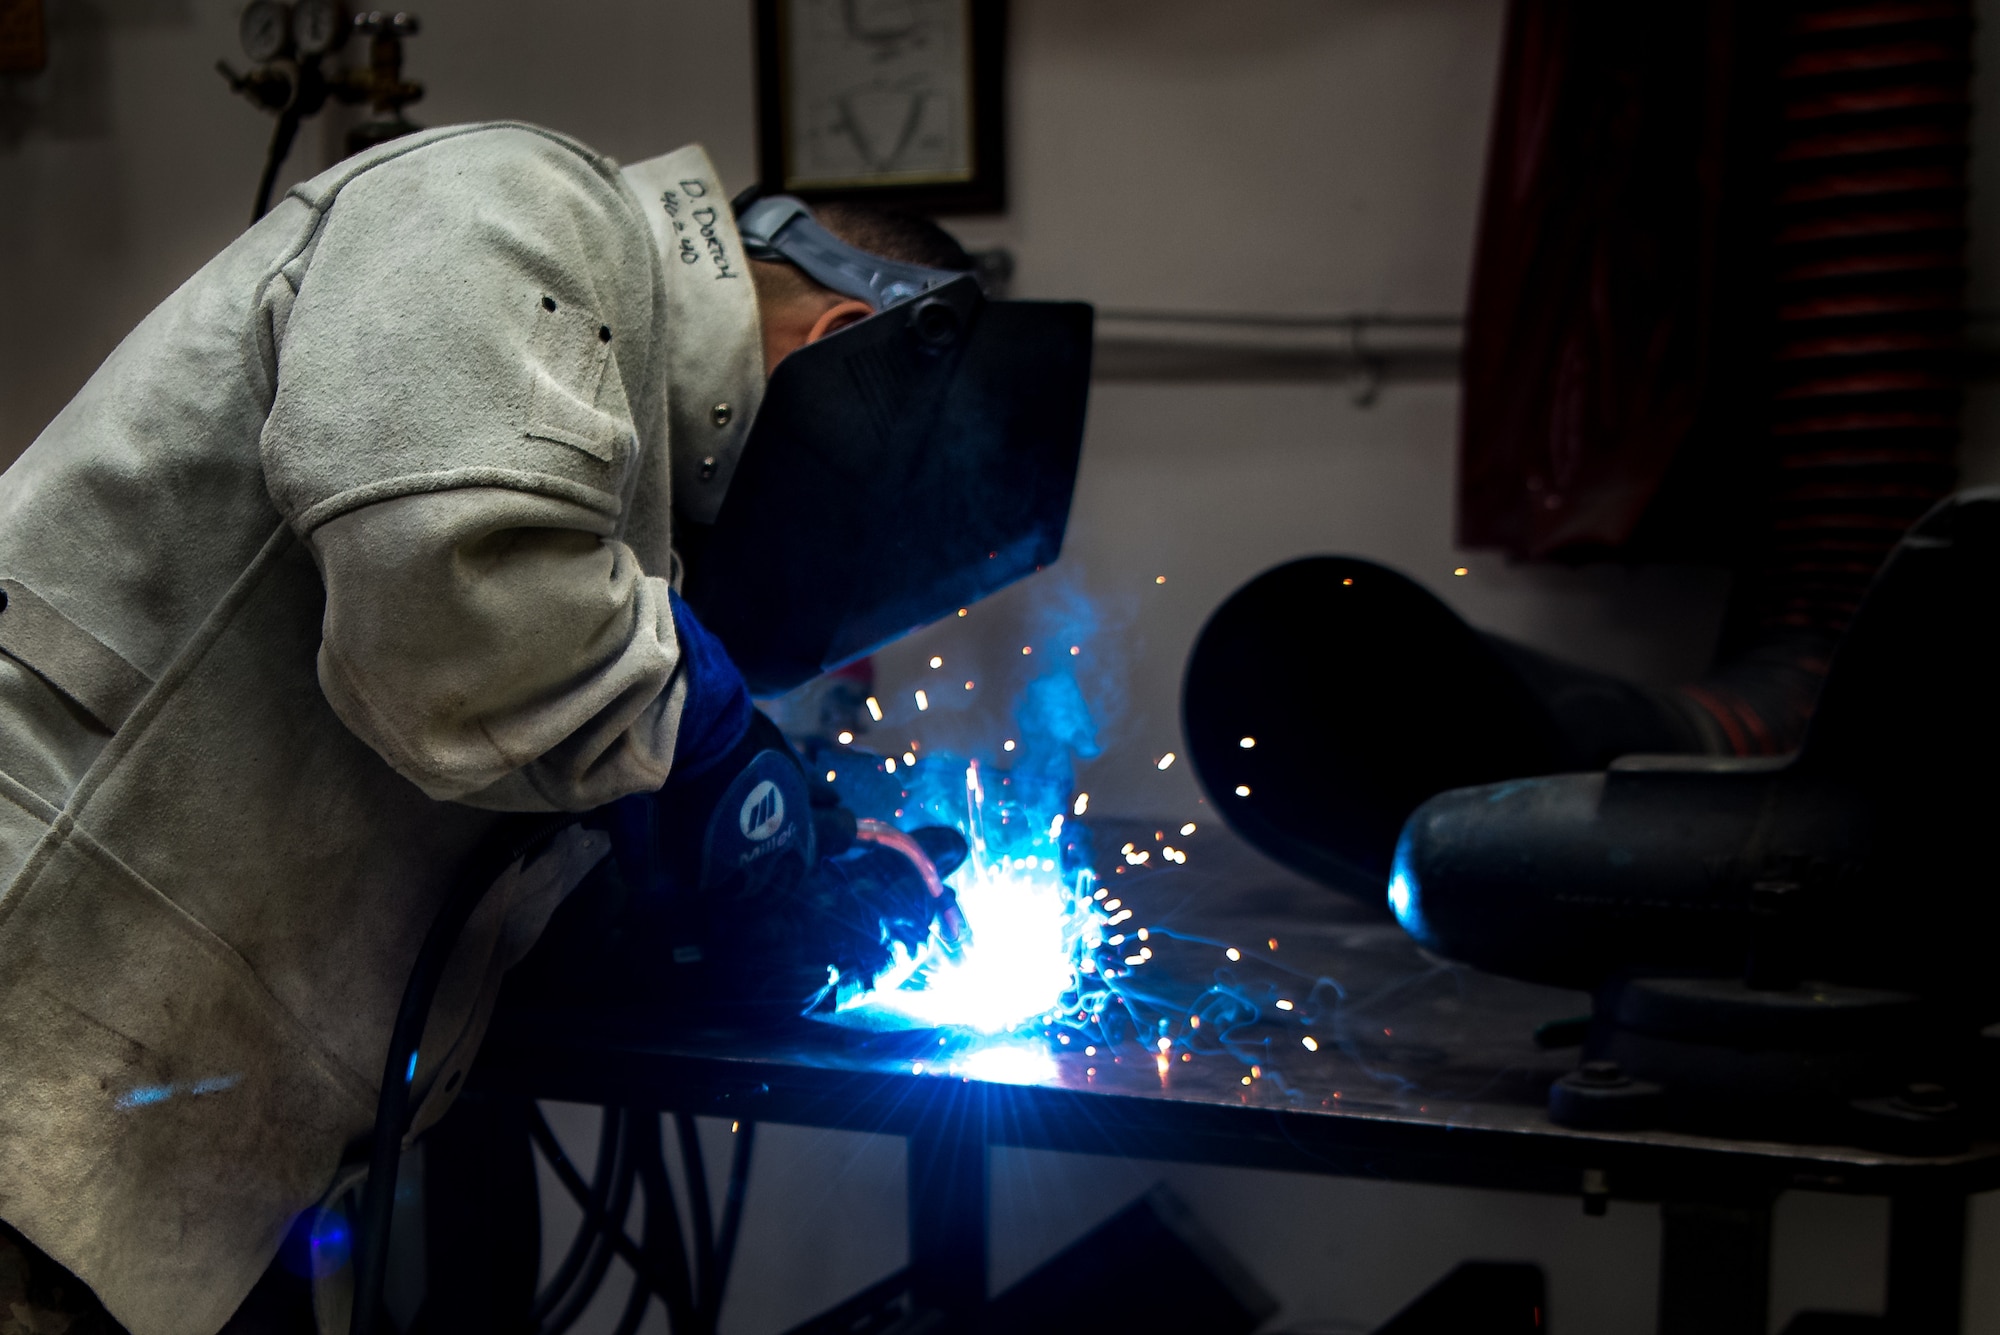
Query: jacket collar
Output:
(715,343)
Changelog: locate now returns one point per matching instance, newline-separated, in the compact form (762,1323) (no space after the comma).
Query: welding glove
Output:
(742,881)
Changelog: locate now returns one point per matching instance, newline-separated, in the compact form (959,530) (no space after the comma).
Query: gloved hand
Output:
(888,888)
(741,881)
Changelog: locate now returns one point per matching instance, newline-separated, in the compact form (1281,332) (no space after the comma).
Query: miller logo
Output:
(763,812)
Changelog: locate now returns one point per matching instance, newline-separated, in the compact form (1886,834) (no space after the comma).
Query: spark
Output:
(1119,917)
(1348,580)
(1033,931)
(1257,1071)
(1284,1005)
(1027,649)
(1111,906)
(1090,1052)
(1135,960)
(1233,953)
(1273,943)
(916,1068)
(1055,827)
(1165,761)
(874,709)
(936,662)
(1082,804)
(1194,1022)
(910,757)
(1142,934)
(963,610)
(1187,1056)
(1007,745)
(924,702)
(1075,649)
(1248,743)
(846,739)
(831,776)
(1461,571)
(1246,1079)
(734,1127)
(890,764)
(1242,789)
(968,686)
(1187,829)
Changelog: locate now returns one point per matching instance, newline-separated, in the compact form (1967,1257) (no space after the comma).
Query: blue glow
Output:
(1009,1064)
(145,1096)
(332,1244)
(1406,893)
(411,1074)
(1030,927)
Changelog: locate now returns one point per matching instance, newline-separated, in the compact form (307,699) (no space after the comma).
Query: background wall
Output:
(1303,156)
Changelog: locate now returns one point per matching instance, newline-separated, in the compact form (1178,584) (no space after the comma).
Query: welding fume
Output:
(450,513)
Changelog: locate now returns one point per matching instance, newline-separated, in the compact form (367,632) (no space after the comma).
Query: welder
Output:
(369,535)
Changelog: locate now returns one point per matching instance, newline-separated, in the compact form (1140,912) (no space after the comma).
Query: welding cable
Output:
(615,1189)
(668,1254)
(732,1221)
(614,1233)
(639,1299)
(700,1216)
(517,839)
(638,1302)
(609,1132)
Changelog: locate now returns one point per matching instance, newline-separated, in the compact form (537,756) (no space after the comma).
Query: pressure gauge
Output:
(265,29)
(318,26)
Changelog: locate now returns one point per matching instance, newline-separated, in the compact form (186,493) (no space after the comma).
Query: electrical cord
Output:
(630,1149)
(732,1220)
(606,1225)
(659,1257)
(511,840)
(699,1214)
(610,1141)
(663,1231)
(616,1191)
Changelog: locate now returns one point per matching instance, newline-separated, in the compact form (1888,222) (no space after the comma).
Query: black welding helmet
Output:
(896,470)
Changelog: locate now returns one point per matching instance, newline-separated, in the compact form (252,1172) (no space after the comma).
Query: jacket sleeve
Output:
(452,435)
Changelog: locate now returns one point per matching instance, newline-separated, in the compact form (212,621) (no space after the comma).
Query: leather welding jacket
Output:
(359,539)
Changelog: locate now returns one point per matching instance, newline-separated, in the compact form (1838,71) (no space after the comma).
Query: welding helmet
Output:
(896,470)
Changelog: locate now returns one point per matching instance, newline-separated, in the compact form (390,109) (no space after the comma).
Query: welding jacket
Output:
(358,540)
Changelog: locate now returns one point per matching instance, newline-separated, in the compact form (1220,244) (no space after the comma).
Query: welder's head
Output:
(915,449)
(796,309)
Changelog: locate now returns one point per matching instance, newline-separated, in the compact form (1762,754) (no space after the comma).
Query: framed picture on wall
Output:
(897,102)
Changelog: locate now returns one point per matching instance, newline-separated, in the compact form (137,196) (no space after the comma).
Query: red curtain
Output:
(1616,301)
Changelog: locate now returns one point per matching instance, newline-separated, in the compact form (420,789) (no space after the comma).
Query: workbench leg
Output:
(947,1175)
(1926,1263)
(1715,1268)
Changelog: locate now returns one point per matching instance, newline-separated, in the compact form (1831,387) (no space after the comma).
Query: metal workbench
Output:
(1423,1072)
